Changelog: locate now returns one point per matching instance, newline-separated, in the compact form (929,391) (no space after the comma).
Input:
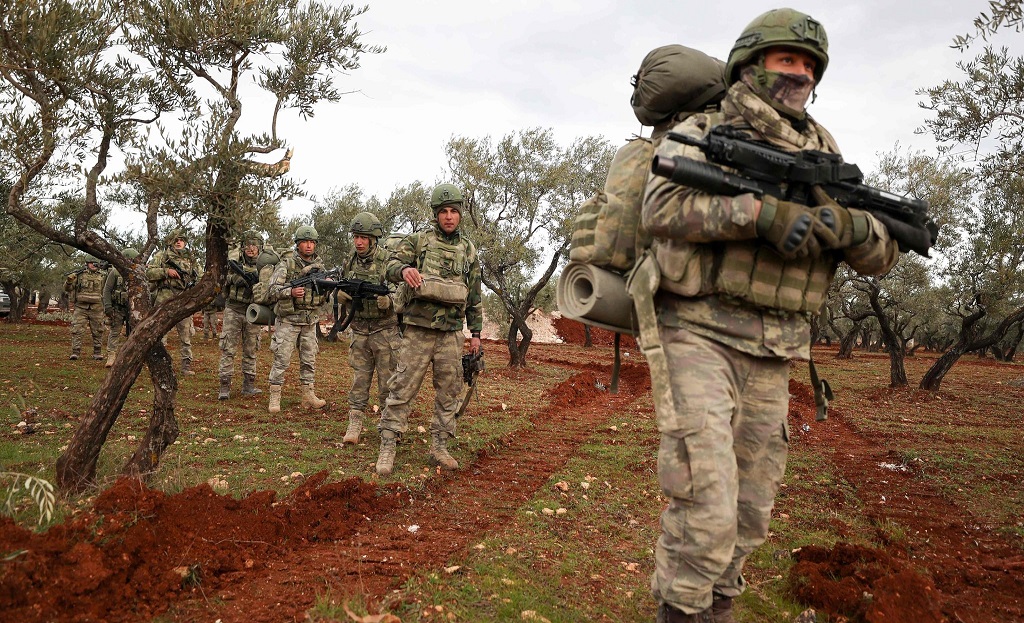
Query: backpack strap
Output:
(642,285)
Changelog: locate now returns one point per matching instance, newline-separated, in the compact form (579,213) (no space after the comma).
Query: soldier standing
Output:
(375,336)
(115,306)
(238,295)
(297,311)
(85,290)
(170,272)
(439,275)
(728,334)
(210,317)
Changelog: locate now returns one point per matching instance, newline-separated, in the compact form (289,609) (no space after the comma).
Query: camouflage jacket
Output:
(719,279)
(86,287)
(305,310)
(164,287)
(448,257)
(373,267)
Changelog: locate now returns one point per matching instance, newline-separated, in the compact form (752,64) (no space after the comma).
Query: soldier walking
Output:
(439,276)
(238,295)
(375,337)
(85,290)
(297,311)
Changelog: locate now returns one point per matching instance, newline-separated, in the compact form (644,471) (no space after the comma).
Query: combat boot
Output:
(388,447)
(97,355)
(186,367)
(110,361)
(310,399)
(249,385)
(355,426)
(275,399)
(668,614)
(74,355)
(439,451)
(721,609)
(225,388)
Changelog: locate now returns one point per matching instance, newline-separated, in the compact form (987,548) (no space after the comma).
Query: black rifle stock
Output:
(791,176)
(331,281)
(188,277)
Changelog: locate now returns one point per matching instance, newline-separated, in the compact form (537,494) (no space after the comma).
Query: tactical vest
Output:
(89,286)
(371,271)
(447,262)
(311,300)
(166,287)
(237,291)
(119,293)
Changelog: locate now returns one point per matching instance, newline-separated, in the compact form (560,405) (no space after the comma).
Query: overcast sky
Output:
(486,68)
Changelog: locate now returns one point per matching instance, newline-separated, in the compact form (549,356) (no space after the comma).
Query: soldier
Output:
(238,294)
(739,279)
(85,290)
(439,278)
(375,336)
(210,317)
(298,312)
(170,272)
(115,306)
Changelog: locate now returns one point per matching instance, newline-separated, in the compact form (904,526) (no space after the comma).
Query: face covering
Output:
(786,93)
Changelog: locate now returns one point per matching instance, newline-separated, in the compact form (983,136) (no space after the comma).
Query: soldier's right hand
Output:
(412,277)
(172,274)
(789,227)
(298,292)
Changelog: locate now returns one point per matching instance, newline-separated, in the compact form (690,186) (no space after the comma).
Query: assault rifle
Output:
(791,176)
(251,277)
(331,281)
(472,366)
(188,277)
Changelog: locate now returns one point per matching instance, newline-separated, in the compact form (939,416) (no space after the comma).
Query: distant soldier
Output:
(115,306)
(440,277)
(297,311)
(375,337)
(238,295)
(85,289)
(210,317)
(170,272)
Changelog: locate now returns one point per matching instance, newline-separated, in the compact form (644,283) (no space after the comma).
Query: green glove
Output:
(849,226)
(789,227)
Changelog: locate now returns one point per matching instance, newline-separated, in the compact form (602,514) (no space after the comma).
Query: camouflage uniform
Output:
(115,305)
(234,328)
(165,288)
(433,332)
(210,317)
(375,338)
(296,320)
(732,313)
(85,289)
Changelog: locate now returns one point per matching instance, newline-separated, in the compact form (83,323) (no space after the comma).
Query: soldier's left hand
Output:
(474,345)
(383,302)
(850,227)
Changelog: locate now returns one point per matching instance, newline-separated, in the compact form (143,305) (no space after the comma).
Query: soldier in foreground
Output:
(115,306)
(85,289)
(238,294)
(170,272)
(298,312)
(729,333)
(375,338)
(439,277)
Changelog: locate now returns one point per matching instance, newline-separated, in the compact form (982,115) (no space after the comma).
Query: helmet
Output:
(130,253)
(253,237)
(779,27)
(175,234)
(306,232)
(445,194)
(366,224)
(89,259)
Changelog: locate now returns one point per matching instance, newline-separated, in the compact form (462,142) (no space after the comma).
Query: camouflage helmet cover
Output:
(366,224)
(779,27)
(445,195)
(306,232)
(176,234)
(130,253)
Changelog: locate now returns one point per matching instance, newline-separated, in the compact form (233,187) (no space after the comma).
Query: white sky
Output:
(480,68)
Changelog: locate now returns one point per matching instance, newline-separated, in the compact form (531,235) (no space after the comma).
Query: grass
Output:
(582,547)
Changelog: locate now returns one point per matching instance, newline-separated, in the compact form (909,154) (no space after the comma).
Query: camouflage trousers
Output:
(235,329)
(186,329)
(118,320)
(420,348)
(368,352)
(286,337)
(88,317)
(209,324)
(722,456)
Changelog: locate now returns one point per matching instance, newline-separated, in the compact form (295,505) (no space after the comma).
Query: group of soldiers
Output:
(436,288)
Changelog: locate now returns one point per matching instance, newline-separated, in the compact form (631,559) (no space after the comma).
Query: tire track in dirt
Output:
(978,574)
(454,511)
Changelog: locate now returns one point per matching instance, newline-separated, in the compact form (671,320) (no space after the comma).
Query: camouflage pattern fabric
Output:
(369,351)
(88,317)
(162,286)
(118,320)
(186,329)
(722,456)
(86,286)
(235,329)
(296,311)
(446,256)
(115,304)
(420,348)
(286,336)
(372,268)
(209,323)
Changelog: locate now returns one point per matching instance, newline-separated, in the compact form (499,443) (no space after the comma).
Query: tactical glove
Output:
(383,302)
(789,227)
(849,226)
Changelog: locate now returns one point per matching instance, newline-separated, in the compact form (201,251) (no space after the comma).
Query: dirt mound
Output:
(573,332)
